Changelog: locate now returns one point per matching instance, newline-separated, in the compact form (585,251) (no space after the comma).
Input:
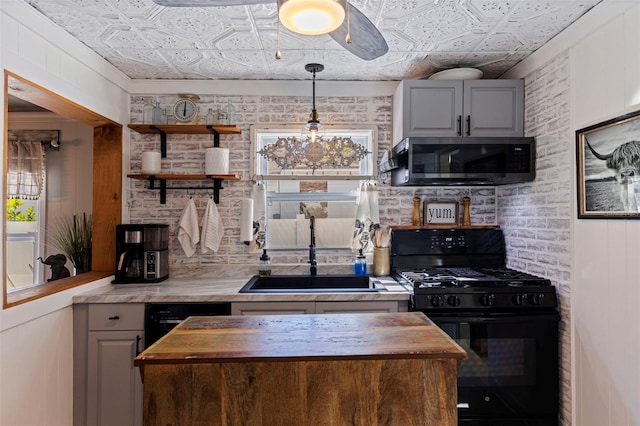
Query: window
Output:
(296,191)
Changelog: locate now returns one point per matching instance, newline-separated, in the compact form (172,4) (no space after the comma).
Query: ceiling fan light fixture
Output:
(311,17)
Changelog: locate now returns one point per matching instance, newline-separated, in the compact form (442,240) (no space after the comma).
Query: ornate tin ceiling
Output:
(147,41)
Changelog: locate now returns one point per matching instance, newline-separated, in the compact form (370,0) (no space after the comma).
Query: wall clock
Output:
(185,111)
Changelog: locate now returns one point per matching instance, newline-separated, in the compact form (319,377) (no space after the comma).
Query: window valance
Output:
(25,161)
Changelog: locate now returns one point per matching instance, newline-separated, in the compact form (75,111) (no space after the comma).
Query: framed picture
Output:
(608,168)
(440,212)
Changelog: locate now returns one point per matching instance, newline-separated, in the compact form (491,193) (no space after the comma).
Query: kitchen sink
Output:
(308,284)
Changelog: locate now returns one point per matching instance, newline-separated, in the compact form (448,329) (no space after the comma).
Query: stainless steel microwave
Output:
(462,161)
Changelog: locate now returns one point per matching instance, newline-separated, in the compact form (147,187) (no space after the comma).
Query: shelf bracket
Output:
(217,186)
(216,135)
(163,141)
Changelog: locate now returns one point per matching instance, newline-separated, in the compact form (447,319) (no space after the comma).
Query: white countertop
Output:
(222,283)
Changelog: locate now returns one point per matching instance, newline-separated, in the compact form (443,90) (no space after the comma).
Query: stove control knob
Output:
(536,298)
(437,301)
(453,300)
(488,299)
(518,299)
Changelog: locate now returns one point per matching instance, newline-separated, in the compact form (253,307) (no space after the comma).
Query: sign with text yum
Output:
(440,212)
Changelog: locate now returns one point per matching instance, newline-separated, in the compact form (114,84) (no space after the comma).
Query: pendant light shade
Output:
(311,17)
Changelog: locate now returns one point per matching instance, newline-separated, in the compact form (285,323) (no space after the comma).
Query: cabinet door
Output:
(384,306)
(114,385)
(494,108)
(272,308)
(432,108)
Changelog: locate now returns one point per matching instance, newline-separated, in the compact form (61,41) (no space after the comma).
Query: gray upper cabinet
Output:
(456,108)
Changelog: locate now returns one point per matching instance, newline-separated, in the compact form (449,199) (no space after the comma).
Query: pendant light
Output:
(311,17)
(313,130)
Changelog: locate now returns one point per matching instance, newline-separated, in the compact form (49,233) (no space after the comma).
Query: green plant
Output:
(73,237)
(16,215)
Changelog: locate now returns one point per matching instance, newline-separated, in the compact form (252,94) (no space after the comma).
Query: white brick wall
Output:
(536,217)
(185,154)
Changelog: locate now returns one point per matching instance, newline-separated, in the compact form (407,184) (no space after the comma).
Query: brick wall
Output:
(185,154)
(536,217)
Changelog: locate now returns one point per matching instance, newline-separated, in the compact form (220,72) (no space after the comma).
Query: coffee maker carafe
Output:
(142,253)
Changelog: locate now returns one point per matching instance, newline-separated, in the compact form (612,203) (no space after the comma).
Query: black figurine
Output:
(57,262)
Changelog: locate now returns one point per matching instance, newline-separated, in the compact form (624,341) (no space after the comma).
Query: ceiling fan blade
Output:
(208,3)
(366,41)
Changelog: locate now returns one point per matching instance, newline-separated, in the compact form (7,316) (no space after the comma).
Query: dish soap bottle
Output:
(360,265)
(264,267)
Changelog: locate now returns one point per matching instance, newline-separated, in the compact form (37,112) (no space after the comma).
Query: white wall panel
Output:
(632,59)
(36,356)
(605,292)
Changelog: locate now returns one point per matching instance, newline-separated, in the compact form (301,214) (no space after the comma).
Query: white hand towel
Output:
(188,232)
(212,229)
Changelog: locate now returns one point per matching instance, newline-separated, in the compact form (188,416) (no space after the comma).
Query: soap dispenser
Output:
(360,265)
(264,267)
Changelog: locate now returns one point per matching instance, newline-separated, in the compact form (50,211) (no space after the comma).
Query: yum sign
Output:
(436,212)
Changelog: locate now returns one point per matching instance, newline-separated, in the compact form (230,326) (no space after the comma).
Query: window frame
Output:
(369,169)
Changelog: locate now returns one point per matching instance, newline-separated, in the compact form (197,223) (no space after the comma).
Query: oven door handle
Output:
(464,333)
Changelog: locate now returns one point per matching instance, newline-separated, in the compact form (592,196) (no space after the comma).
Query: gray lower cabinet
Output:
(107,386)
(288,308)
(458,108)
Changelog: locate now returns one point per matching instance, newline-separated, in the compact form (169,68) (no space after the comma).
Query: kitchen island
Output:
(359,369)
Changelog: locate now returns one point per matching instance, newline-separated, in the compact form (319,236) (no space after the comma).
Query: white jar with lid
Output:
(151,162)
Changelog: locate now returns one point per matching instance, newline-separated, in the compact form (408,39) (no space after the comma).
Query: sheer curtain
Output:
(25,162)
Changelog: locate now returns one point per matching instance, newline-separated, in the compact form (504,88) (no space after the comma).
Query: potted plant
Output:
(73,238)
(20,221)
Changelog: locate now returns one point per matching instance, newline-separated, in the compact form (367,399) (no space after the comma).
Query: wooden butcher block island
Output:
(302,370)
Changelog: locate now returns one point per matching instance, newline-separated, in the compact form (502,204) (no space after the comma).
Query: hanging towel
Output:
(188,232)
(374,207)
(259,196)
(212,229)
(363,221)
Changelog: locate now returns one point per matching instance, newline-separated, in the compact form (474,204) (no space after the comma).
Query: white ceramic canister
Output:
(216,161)
(151,162)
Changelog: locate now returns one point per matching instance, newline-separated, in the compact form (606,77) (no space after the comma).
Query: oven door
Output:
(512,365)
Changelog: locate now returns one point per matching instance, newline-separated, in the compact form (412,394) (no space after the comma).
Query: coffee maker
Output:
(142,253)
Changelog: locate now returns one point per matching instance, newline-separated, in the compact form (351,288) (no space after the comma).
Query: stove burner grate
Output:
(470,277)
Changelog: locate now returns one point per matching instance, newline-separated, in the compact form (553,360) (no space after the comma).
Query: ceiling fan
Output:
(368,43)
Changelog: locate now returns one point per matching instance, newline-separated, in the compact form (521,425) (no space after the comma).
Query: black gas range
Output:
(506,320)
(460,269)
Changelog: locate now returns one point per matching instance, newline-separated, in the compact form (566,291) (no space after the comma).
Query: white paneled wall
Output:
(601,287)
(36,358)
(36,367)
(606,288)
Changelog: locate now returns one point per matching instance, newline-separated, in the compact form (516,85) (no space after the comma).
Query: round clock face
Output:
(185,110)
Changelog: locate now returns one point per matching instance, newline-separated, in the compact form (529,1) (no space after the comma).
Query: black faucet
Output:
(313,268)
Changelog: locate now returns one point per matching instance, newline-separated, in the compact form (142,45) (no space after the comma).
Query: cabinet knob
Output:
(115,317)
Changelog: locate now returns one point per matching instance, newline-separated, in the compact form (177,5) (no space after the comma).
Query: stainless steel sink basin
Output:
(308,284)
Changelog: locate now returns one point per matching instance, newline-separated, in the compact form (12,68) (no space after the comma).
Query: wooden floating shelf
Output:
(185,129)
(189,129)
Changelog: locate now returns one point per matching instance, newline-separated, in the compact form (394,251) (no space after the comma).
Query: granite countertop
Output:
(222,283)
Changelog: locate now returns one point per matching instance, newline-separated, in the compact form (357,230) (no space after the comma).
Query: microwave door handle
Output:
(459,125)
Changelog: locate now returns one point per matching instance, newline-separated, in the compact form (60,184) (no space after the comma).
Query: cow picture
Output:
(609,168)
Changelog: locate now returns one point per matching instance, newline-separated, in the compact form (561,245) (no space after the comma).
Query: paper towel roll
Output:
(216,161)
(246,220)
(151,162)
